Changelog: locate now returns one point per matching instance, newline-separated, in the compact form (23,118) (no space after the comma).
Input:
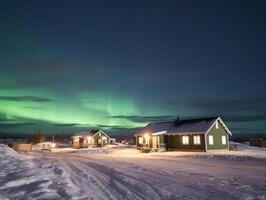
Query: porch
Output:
(89,142)
(149,143)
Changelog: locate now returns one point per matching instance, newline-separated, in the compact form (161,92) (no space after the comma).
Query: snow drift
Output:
(124,173)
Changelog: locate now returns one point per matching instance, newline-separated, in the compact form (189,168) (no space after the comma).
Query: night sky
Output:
(118,65)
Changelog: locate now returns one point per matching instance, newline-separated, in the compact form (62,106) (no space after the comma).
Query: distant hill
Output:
(245,137)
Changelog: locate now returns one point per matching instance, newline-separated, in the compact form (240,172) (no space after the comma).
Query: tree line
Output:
(41,137)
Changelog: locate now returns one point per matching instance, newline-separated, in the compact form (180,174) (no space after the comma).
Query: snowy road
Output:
(111,176)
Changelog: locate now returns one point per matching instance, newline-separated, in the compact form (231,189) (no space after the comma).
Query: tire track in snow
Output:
(109,183)
(89,177)
(127,182)
(126,186)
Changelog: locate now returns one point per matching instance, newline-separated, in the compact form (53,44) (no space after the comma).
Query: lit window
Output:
(140,140)
(147,138)
(185,140)
(211,139)
(196,139)
(217,125)
(223,139)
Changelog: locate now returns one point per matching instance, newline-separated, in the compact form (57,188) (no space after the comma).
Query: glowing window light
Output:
(196,139)
(89,140)
(147,137)
(185,140)
(76,139)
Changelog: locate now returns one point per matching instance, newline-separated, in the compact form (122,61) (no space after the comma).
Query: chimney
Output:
(177,120)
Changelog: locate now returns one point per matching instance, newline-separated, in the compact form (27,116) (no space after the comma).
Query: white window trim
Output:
(140,140)
(224,140)
(211,140)
(222,124)
(217,124)
(185,141)
(196,140)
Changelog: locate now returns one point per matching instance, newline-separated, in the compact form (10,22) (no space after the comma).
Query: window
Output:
(99,141)
(216,125)
(89,140)
(223,139)
(211,139)
(185,140)
(76,139)
(140,140)
(147,138)
(196,139)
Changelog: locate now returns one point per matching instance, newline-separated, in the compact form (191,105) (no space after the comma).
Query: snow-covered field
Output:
(124,173)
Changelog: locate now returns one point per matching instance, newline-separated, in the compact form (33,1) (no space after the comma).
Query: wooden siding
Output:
(97,136)
(149,145)
(174,142)
(80,142)
(161,139)
(217,138)
(21,147)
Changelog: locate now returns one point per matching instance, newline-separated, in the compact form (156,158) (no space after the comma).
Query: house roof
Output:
(87,133)
(181,126)
(90,133)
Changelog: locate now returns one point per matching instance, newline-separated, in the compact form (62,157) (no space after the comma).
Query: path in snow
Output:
(127,174)
(109,177)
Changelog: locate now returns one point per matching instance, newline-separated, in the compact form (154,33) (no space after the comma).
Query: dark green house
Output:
(201,134)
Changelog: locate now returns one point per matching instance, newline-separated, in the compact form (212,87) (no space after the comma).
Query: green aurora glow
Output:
(119,66)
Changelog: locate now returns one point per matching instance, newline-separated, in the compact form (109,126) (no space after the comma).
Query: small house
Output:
(201,134)
(44,146)
(91,138)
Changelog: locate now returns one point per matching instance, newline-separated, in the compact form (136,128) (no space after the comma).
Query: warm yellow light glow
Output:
(89,140)
(146,135)
(53,145)
(76,139)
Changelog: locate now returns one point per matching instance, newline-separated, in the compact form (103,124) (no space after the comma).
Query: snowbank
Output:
(248,148)
(125,173)
(6,151)
(19,177)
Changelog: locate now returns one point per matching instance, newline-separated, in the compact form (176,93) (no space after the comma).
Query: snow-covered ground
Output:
(124,173)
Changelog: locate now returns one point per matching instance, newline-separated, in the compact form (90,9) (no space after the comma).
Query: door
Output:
(154,142)
(99,141)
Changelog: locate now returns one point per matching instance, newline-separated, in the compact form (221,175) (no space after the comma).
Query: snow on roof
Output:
(90,133)
(86,133)
(199,125)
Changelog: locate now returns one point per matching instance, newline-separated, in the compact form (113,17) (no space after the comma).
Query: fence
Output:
(21,147)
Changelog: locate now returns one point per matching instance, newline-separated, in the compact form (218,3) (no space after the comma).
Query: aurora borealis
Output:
(73,65)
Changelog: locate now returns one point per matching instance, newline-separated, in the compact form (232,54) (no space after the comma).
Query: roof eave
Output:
(223,125)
